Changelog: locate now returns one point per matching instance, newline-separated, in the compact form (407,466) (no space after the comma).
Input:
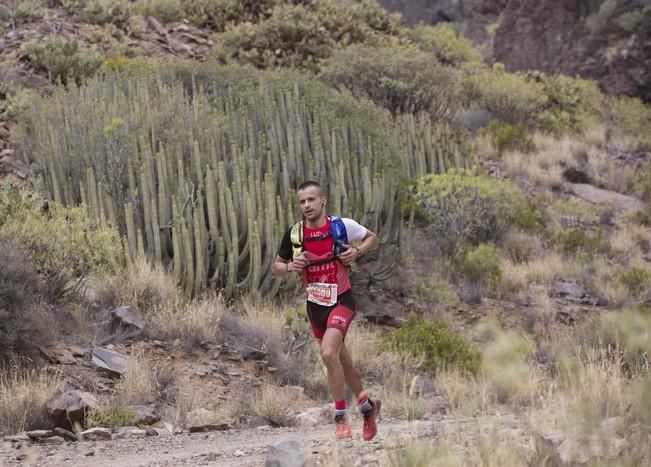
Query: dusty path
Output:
(242,448)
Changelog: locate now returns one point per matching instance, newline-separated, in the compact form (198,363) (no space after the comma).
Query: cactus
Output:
(208,182)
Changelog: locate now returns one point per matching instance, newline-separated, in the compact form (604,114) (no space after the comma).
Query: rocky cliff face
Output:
(607,40)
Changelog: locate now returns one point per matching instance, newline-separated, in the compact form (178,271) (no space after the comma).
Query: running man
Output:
(314,248)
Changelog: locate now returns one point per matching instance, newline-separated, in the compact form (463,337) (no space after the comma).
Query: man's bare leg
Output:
(351,375)
(331,345)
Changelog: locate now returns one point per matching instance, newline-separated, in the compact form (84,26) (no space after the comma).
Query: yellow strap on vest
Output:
(296,237)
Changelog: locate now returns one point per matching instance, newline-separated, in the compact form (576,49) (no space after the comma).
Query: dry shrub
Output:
(522,246)
(274,404)
(23,394)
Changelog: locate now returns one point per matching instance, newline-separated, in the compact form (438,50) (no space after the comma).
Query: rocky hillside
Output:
(609,41)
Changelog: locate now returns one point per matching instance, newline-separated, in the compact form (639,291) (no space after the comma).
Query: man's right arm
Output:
(282,265)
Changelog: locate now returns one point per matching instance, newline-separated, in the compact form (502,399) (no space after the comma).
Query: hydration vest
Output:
(337,231)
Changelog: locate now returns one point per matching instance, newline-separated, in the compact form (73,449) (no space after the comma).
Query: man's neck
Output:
(317,224)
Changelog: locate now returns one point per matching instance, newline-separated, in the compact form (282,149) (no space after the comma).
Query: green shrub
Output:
(460,209)
(165,10)
(596,22)
(106,11)
(575,241)
(401,79)
(628,332)
(435,343)
(636,279)
(630,117)
(448,46)
(577,208)
(481,265)
(509,97)
(110,416)
(63,60)
(630,21)
(217,14)
(509,137)
(437,291)
(301,35)
(58,241)
(571,105)
(293,36)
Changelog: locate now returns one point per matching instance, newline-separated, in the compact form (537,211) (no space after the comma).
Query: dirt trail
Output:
(242,448)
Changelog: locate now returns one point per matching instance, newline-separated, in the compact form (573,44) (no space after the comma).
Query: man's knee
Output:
(330,355)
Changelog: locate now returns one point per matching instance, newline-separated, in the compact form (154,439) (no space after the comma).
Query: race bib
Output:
(322,294)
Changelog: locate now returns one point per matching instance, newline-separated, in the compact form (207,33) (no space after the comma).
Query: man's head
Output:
(311,201)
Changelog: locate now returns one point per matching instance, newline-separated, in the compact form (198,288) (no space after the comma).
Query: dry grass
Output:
(484,443)
(544,168)
(541,270)
(506,366)
(590,388)
(522,247)
(139,385)
(23,394)
(629,241)
(362,344)
(466,394)
(275,404)
(146,287)
(192,322)
(189,396)
(604,282)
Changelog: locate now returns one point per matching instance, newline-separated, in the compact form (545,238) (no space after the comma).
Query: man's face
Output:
(311,203)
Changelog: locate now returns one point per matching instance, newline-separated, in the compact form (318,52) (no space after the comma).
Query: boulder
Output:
(128,432)
(145,414)
(201,420)
(595,195)
(39,434)
(52,440)
(95,434)
(109,361)
(68,406)
(574,448)
(125,323)
(286,452)
(573,290)
(313,416)
(69,435)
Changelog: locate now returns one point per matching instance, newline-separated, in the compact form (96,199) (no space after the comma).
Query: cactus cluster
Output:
(432,148)
(202,178)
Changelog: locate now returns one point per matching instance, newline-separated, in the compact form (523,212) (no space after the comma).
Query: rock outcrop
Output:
(600,39)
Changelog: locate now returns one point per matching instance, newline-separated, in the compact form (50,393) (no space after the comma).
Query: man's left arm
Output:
(368,243)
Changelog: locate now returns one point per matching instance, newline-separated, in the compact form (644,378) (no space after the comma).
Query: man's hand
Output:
(349,255)
(299,263)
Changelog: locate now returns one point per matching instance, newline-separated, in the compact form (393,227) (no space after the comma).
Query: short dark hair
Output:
(307,184)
